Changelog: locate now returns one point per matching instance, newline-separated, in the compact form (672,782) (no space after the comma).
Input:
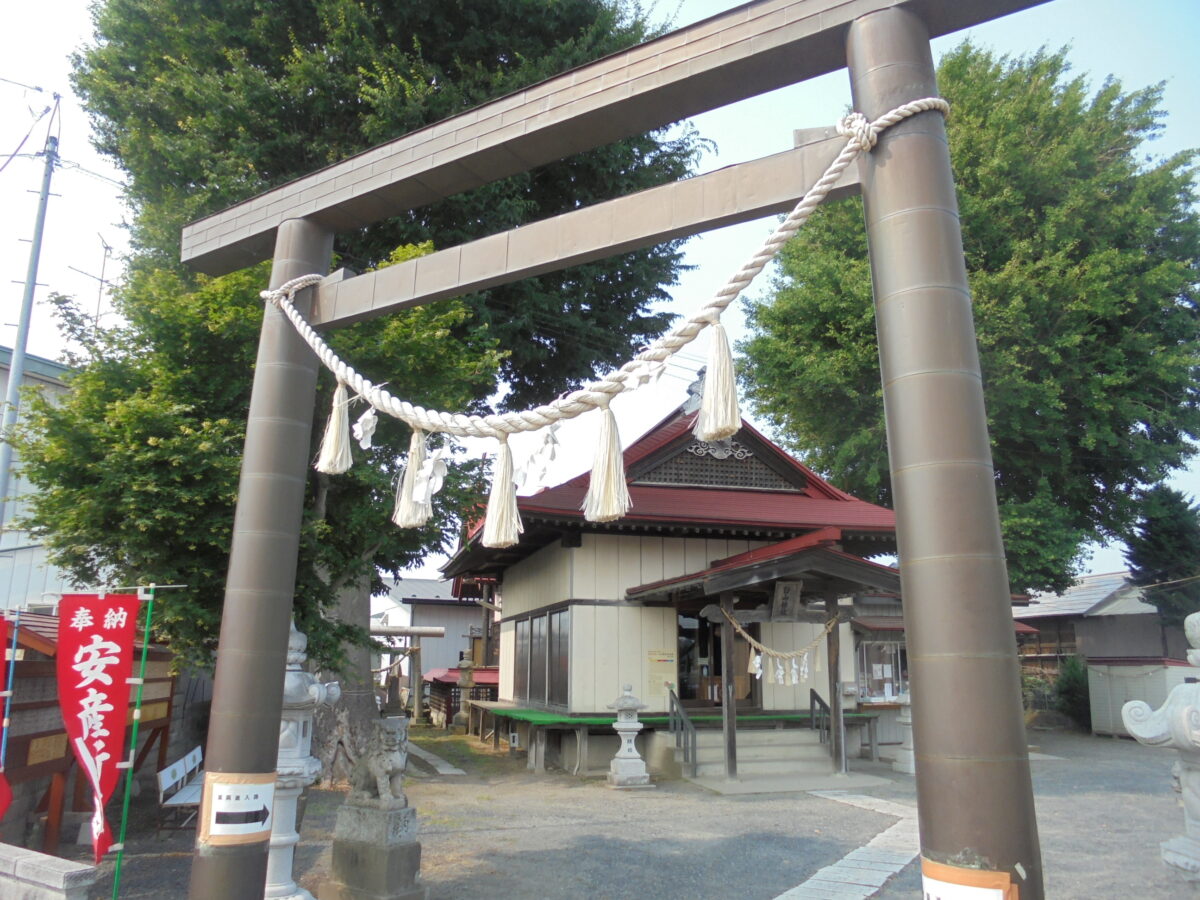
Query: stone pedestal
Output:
(376,856)
(375,851)
(905,760)
(1176,724)
(627,769)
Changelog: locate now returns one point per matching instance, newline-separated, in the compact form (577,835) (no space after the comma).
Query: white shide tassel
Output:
(608,494)
(410,512)
(503,527)
(719,417)
(334,458)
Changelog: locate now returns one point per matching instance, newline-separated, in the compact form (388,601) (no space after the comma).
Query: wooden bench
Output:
(180,786)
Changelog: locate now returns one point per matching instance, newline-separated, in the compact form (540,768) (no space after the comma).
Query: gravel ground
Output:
(502,832)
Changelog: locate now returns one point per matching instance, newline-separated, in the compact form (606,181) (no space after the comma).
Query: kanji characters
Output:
(91,660)
(91,713)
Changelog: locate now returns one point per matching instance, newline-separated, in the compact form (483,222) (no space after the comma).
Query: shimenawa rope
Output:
(718,417)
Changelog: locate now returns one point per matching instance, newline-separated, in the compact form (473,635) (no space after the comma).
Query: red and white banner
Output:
(95,661)
(5,649)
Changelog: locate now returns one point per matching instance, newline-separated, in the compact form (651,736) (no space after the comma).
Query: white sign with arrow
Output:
(236,809)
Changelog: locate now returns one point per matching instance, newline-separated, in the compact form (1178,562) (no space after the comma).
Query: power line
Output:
(32,126)
(68,164)
(1162,584)
(21,84)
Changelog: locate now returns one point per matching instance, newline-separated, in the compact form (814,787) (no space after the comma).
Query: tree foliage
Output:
(206,104)
(1163,553)
(1082,261)
(137,466)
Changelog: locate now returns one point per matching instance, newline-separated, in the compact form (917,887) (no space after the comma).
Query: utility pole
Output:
(16,370)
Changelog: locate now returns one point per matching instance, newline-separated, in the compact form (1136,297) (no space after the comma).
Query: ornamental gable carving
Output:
(718,464)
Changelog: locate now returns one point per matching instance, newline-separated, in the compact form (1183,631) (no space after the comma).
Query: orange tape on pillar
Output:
(943,882)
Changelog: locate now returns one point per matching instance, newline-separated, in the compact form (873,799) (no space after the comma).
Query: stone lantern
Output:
(627,769)
(466,681)
(296,767)
(1176,724)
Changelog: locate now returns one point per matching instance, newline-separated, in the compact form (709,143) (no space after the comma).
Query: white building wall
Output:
(607,565)
(539,580)
(786,636)
(507,635)
(442,653)
(611,646)
(611,642)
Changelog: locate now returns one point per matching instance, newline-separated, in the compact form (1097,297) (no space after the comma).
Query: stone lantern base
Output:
(627,774)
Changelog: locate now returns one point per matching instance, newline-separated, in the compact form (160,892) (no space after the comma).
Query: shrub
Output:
(1071,688)
(1037,692)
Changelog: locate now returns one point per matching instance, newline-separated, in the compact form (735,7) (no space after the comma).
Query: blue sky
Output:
(1140,42)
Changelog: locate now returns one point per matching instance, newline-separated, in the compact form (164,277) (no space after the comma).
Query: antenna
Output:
(100,278)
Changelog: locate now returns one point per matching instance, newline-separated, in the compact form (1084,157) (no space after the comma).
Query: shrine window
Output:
(542,658)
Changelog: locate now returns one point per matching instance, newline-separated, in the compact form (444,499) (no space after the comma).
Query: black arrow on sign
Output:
(243,817)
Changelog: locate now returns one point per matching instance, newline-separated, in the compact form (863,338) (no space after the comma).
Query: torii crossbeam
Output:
(973,781)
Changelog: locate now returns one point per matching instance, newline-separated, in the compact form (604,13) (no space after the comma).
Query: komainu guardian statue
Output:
(377,778)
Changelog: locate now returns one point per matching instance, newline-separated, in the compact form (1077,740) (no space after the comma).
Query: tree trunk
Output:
(341,733)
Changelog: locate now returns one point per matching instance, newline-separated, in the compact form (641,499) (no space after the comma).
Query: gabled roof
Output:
(780,497)
(808,502)
(816,553)
(673,437)
(1108,594)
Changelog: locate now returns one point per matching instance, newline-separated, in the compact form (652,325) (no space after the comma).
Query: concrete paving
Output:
(502,832)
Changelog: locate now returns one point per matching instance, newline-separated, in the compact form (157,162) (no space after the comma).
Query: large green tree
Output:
(137,466)
(206,104)
(1082,259)
(1164,553)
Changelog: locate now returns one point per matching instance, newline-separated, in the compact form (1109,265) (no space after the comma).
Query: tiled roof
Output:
(818,505)
(803,502)
(490,676)
(420,589)
(1107,594)
(817,548)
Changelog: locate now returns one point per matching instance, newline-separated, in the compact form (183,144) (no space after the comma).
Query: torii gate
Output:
(973,782)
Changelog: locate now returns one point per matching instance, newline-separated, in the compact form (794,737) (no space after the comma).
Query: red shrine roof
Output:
(677,483)
(484,677)
(816,504)
(815,552)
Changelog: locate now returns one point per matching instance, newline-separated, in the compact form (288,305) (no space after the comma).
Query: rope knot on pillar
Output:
(858,128)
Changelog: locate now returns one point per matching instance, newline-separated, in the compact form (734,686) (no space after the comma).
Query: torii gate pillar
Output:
(974,792)
(243,731)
